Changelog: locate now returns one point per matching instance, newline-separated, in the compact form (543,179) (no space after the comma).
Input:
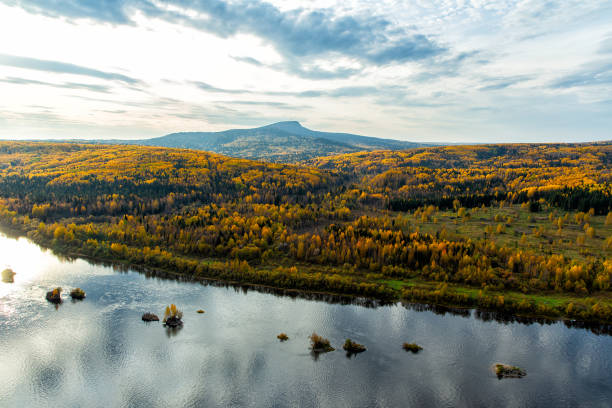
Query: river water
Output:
(98,353)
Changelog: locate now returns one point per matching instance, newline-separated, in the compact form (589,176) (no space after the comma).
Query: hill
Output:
(520,228)
(286,142)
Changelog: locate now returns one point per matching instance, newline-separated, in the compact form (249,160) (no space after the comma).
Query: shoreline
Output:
(328,296)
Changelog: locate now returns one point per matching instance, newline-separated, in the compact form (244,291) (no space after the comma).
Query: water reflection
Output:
(98,352)
(172,331)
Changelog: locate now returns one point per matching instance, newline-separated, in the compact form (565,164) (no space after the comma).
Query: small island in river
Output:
(54,296)
(7,275)
(77,294)
(319,344)
(353,347)
(173,316)
(150,317)
(508,371)
(413,347)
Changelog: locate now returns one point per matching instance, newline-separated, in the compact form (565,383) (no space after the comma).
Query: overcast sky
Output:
(441,70)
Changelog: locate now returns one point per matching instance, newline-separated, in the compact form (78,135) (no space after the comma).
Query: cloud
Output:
(503,82)
(209,88)
(294,67)
(412,48)
(249,60)
(593,74)
(305,33)
(295,34)
(317,72)
(340,92)
(219,114)
(350,91)
(62,68)
(110,11)
(605,46)
(278,105)
(446,65)
(67,85)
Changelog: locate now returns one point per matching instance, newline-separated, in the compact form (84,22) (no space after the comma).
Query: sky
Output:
(431,71)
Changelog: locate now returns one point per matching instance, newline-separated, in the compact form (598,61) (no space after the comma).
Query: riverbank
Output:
(557,306)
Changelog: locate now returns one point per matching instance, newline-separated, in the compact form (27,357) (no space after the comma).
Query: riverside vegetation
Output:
(524,229)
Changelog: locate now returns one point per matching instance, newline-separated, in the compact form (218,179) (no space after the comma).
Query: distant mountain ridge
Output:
(278,142)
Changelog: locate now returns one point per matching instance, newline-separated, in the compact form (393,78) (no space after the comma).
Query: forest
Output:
(520,228)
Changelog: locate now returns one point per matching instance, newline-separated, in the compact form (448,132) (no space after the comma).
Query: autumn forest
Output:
(519,228)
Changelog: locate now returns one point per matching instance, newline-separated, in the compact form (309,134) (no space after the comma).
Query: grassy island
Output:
(353,347)
(320,344)
(55,295)
(150,317)
(412,347)
(522,229)
(173,316)
(7,275)
(77,294)
(508,371)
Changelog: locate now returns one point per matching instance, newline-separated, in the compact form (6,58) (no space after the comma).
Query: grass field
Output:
(517,227)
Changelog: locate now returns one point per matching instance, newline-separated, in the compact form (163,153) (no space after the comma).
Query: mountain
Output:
(278,142)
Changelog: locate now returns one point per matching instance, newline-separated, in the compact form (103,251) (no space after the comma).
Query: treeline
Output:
(572,177)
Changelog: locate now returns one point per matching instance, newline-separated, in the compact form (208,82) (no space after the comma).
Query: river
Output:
(98,353)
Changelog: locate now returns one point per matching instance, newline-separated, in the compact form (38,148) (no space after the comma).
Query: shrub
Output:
(282,337)
(608,243)
(77,293)
(7,275)
(590,232)
(415,348)
(508,371)
(150,317)
(352,347)
(54,296)
(319,343)
(173,316)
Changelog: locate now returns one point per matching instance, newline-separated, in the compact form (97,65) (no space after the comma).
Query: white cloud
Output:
(438,71)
